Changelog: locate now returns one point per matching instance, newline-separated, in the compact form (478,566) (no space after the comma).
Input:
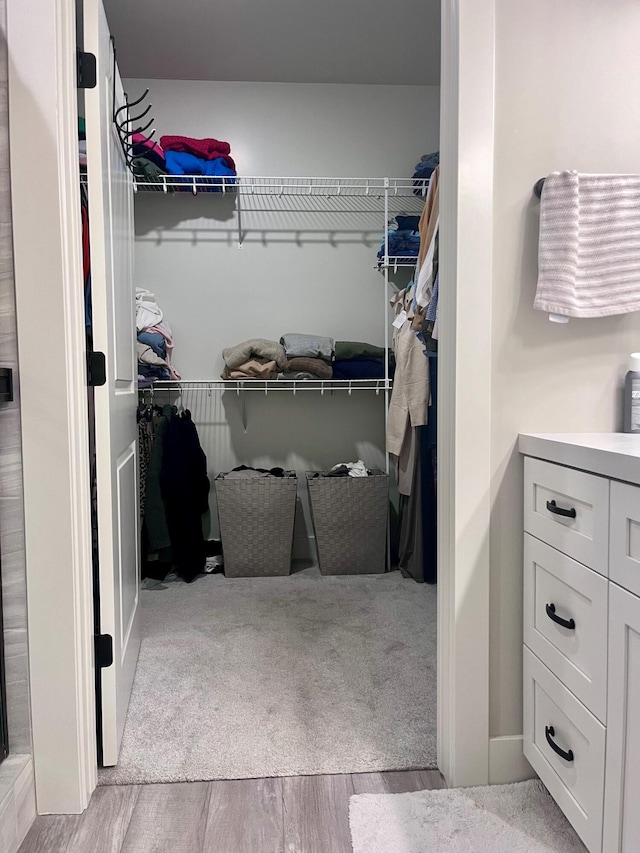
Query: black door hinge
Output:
(96,369)
(87,76)
(6,385)
(104,650)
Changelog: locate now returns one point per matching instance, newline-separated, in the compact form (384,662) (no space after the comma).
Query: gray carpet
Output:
(242,678)
(520,818)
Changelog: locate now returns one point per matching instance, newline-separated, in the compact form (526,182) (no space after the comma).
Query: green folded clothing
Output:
(356,349)
(146,169)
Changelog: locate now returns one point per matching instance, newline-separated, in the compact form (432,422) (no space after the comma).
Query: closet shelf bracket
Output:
(243,407)
(240,231)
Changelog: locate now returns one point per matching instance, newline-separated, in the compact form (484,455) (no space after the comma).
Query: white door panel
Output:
(111,233)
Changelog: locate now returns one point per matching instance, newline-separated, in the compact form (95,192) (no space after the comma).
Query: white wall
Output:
(567,97)
(309,272)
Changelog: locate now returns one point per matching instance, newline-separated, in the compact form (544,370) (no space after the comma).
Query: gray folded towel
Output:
(255,348)
(307,346)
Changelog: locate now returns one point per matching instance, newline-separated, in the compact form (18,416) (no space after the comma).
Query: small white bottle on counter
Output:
(632,395)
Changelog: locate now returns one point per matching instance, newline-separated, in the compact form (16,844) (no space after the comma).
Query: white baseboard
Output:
(507,762)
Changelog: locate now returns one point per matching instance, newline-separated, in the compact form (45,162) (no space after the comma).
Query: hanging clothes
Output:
(185,489)
(430,215)
(176,490)
(429,223)
(146,417)
(409,406)
(417,546)
(155,518)
(412,415)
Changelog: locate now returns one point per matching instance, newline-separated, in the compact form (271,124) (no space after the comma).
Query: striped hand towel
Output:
(589,250)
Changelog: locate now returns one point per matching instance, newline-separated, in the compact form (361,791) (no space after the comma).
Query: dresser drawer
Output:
(624,537)
(565,621)
(565,744)
(569,510)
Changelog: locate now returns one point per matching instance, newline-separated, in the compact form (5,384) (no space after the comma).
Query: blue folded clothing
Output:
(406,243)
(424,170)
(407,223)
(361,368)
(153,371)
(427,165)
(182,163)
(156,341)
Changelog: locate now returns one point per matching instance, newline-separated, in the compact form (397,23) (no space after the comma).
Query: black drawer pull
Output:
(566,623)
(549,734)
(557,510)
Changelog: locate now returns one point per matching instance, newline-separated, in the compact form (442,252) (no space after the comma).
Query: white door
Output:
(622,776)
(111,235)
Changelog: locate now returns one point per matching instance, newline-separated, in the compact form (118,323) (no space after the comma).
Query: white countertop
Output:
(611,454)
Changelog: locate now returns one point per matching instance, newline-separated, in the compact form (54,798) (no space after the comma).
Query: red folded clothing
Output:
(207,149)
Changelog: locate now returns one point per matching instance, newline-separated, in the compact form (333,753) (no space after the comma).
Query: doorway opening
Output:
(308,673)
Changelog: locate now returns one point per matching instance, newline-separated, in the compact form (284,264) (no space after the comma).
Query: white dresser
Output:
(582,630)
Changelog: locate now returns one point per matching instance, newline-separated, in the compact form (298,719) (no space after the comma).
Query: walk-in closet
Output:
(272,228)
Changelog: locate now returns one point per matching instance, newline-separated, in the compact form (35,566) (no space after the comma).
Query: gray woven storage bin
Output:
(256,524)
(350,522)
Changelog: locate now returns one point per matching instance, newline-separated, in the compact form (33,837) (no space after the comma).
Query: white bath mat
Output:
(520,818)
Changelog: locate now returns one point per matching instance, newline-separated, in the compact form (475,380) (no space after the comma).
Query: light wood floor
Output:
(297,814)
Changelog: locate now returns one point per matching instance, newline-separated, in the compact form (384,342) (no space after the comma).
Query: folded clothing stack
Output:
(424,169)
(155,341)
(255,368)
(150,363)
(257,358)
(299,356)
(358,360)
(307,346)
(182,155)
(307,368)
(404,238)
(148,159)
(308,356)
(210,158)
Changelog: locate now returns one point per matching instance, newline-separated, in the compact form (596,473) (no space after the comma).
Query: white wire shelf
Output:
(286,186)
(268,385)
(395,262)
(184,390)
